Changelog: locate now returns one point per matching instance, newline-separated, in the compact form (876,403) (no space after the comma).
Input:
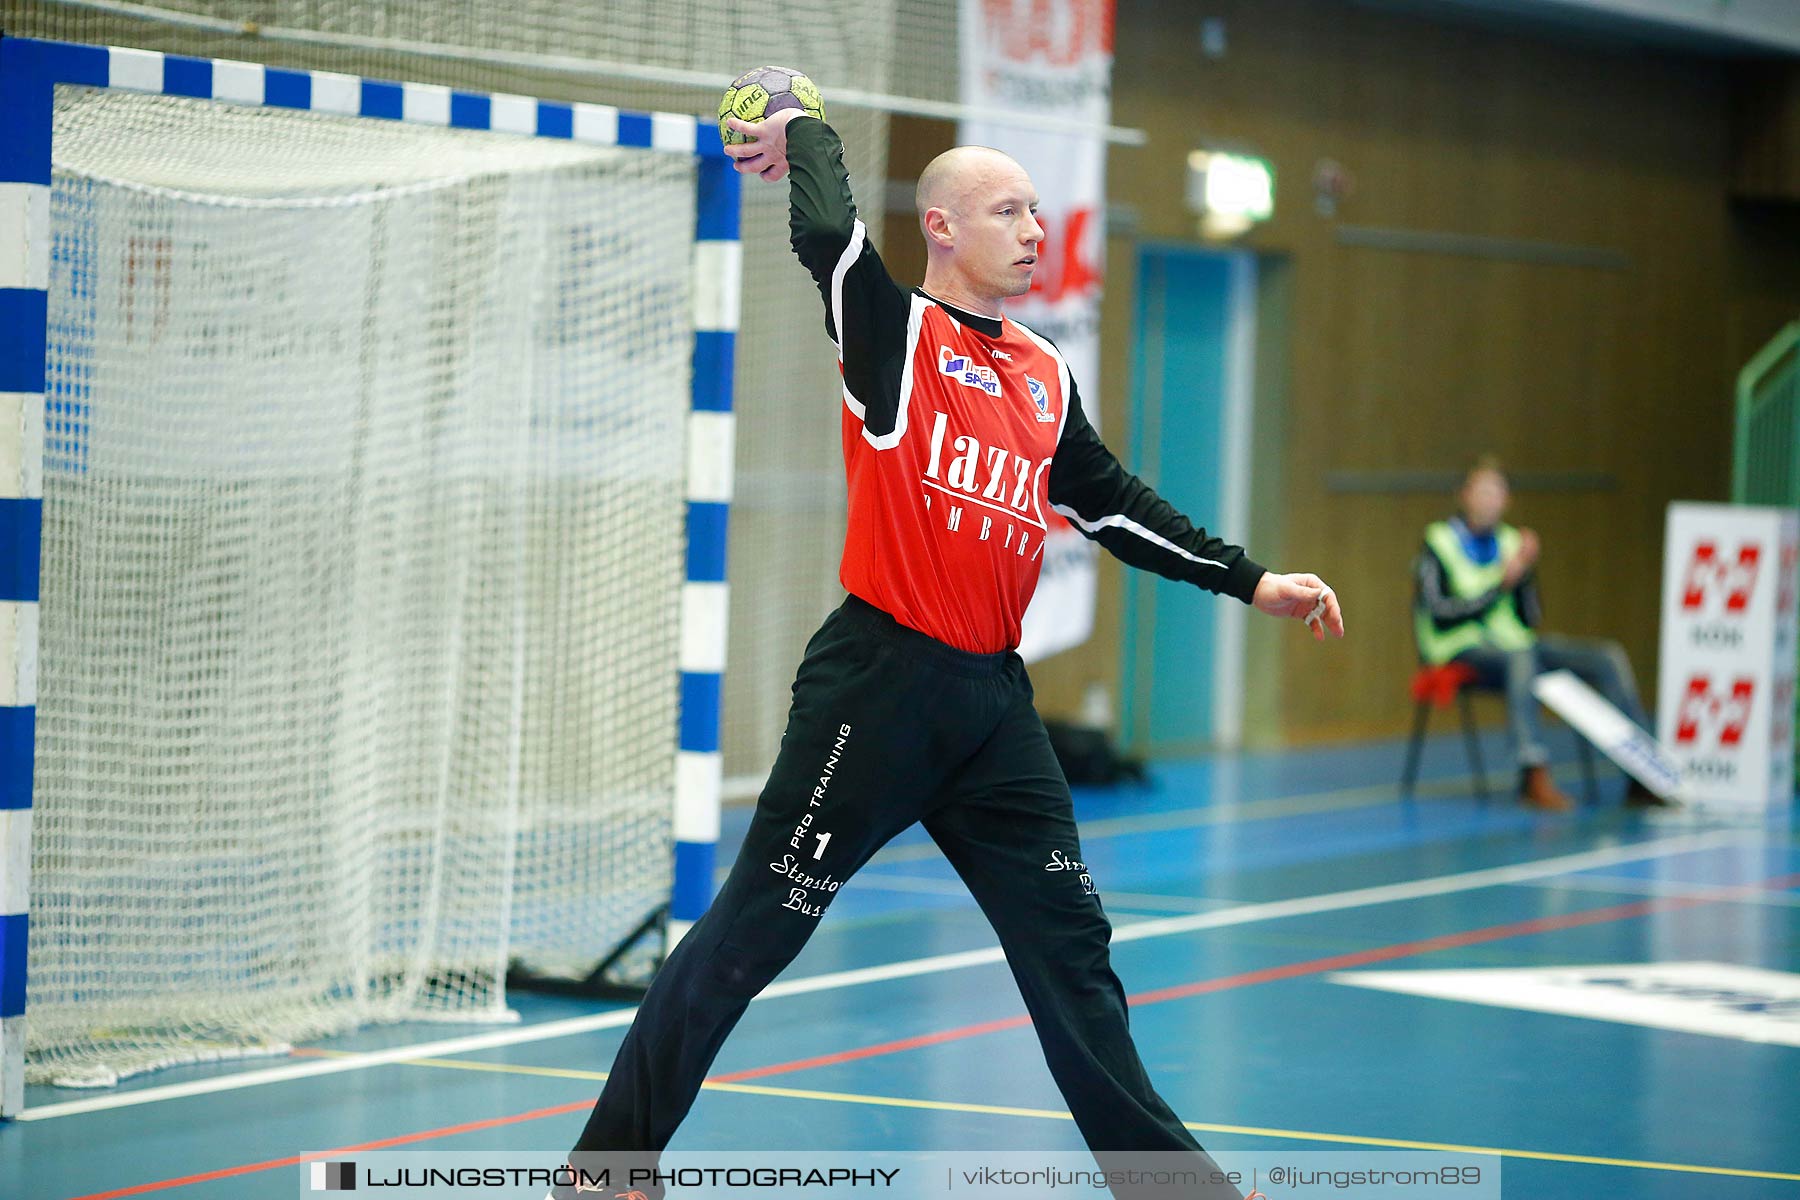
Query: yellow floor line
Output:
(1048,1114)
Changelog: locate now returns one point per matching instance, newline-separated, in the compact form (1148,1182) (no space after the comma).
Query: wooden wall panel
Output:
(1766,131)
(1591,338)
(1612,366)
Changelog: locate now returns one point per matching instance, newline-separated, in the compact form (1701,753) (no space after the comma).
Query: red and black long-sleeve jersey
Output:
(962,434)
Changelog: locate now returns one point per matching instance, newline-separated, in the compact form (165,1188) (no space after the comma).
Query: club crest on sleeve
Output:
(1040,396)
(962,368)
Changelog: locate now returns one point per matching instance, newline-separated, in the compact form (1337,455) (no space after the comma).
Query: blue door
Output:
(1183,356)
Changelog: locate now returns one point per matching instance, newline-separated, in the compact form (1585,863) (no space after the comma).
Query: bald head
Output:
(977,210)
(948,180)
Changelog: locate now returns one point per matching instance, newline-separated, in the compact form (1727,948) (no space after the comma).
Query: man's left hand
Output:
(1302,597)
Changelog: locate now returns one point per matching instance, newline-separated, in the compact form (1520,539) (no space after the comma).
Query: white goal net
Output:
(362,553)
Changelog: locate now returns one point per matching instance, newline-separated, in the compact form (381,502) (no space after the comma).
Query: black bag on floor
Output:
(1089,757)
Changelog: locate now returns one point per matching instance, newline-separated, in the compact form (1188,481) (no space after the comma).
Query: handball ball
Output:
(764,92)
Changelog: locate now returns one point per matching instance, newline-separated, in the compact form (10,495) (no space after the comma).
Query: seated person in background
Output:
(1476,602)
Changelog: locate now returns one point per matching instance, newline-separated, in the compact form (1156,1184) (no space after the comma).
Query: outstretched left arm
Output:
(1115,508)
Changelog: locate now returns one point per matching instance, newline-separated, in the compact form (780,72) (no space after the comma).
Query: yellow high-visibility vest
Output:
(1500,627)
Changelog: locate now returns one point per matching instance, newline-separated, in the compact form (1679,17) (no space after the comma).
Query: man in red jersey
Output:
(962,432)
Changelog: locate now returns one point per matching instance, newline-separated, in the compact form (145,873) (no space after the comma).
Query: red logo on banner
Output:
(1709,573)
(1704,711)
(1061,34)
(1065,265)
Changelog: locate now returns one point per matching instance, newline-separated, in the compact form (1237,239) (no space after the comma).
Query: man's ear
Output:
(937,227)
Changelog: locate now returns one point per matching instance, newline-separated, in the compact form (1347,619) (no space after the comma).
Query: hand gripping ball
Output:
(763,92)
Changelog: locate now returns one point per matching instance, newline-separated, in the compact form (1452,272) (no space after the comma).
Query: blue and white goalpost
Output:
(492,551)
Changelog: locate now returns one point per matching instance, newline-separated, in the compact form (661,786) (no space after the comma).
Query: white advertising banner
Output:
(1594,717)
(1052,58)
(1750,1004)
(1725,694)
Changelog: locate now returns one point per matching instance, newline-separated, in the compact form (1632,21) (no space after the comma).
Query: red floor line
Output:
(843,1056)
(340,1151)
(1225,983)
(1335,962)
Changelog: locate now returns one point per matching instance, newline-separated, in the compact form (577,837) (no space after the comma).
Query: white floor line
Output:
(1443,885)
(925,885)
(917,885)
(1268,809)
(1158,902)
(1273,808)
(935,964)
(1671,889)
(1185,818)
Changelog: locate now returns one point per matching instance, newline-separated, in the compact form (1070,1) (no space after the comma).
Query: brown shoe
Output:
(1537,790)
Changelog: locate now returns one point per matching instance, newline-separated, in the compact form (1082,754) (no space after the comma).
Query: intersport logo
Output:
(967,371)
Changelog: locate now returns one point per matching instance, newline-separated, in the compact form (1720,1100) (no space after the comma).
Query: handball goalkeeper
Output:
(963,433)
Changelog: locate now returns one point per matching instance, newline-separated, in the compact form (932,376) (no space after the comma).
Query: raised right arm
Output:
(866,312)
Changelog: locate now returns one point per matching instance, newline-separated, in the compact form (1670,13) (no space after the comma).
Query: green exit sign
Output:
(1230,192)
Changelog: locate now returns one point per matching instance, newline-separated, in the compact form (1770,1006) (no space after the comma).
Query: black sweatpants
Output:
(889,726)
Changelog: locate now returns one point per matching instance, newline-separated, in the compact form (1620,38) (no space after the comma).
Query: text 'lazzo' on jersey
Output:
(988,477)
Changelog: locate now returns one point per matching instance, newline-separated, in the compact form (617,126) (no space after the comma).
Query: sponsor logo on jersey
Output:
(1001,355)
(1040,396)
(1001,492)
(962,368)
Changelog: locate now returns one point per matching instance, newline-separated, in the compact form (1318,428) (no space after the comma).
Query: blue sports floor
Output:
(1242,888)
